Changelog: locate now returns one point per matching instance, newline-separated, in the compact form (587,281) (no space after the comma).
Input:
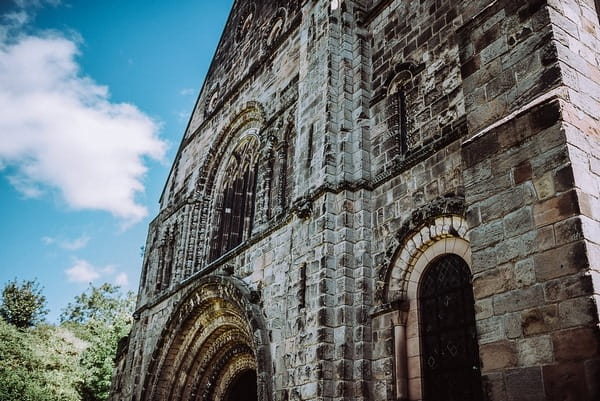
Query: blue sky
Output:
(94,98)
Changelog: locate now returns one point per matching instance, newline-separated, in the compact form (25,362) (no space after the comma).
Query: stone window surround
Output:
(248,136)
(396,109)
(447,235)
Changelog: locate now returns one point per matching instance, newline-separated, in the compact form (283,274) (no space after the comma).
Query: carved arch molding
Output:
(214,338)
(425,244)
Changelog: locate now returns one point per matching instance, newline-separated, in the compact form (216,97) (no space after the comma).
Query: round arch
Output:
(444,234)
(214,335)
(419,249)
(246,124)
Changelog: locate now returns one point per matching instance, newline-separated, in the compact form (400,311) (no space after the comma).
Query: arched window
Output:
(235,204)
(167,257)
(450,354)
(397,110)
(428,299)
(398,117)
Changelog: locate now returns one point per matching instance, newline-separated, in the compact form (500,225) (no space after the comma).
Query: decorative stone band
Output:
(418,263)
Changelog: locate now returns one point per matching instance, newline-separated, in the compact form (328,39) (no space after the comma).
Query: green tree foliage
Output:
(39,364)
(105,304)
(101,315)
(70,362)
(23,304)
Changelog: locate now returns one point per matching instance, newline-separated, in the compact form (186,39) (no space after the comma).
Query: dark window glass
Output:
(450,354)
(398,121)
(236,209)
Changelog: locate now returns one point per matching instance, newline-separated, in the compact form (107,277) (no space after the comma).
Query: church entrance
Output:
(209,349)
(450,355)
(243,388)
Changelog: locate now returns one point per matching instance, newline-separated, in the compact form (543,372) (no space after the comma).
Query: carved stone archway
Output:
(419,248)
(214,336)
(444,234)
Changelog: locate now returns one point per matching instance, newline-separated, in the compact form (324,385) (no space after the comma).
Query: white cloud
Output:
(48,240)
(187,92)
(35,3)
(68,244)
(110,269)
(16,18)
(25,186)
(59,130)
(82,272)
(122,280)
(75,244)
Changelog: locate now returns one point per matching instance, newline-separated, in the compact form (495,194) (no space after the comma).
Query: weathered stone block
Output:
(494,281)
(555,209)
(525,272)
(490,330)
(542,319)
(566,381)
(522,172)
(518,299)
(544,186)
(483,308)
(518,222)
(498,355)
(525,384)
(568,231)
(534,351)
(545,238)
(562,261)
(575,344)
(577,312)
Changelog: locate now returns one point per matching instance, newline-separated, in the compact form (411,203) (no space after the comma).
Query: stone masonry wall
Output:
(537,321)
(415,39)
(578,47)
(501,103)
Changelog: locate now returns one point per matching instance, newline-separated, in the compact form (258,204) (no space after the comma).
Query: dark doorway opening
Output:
(450,355)
(243,388)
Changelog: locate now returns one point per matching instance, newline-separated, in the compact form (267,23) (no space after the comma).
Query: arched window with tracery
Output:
(236,197)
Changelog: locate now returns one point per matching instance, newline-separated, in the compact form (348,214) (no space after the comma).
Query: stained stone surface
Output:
(390,132)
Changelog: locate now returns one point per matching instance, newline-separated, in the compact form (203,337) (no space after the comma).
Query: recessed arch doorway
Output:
(243,387)
(214,348)
(428,298)
(450,352)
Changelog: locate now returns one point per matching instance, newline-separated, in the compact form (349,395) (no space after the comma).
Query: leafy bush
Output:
(39,364)
(70,362)
(101,315)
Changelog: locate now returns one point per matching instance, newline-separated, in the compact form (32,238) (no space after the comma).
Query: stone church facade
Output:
(381,200)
